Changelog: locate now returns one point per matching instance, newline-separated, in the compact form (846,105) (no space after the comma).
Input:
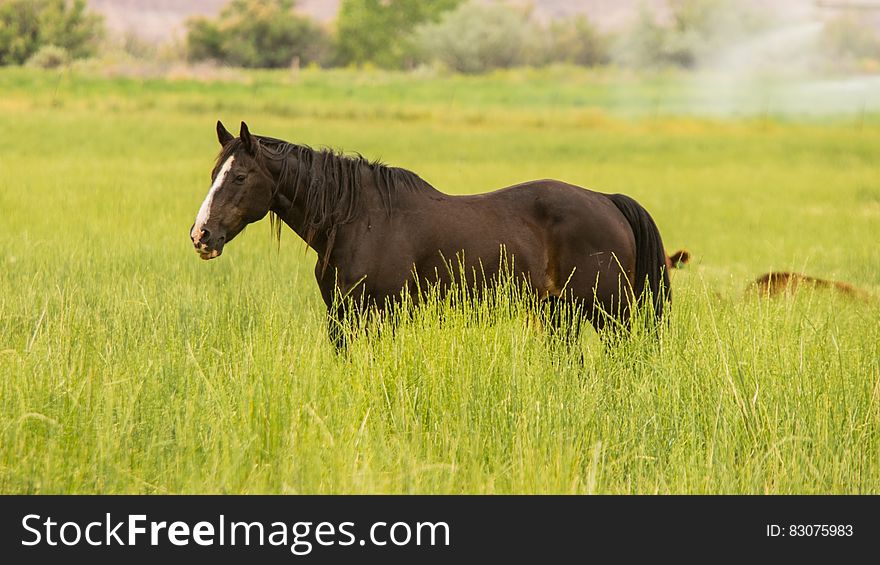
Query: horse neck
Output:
(292,196)
(291,203)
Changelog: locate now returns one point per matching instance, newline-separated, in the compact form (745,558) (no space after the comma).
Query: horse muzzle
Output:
(206,244)
(205,254)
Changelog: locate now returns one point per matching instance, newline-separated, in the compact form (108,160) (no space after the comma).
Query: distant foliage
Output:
(476,37)
(49,57)
(258,34)
(696,32)
(644,43)
(850,41)
(27,26)
(135,46)
(575,41)
(379,31)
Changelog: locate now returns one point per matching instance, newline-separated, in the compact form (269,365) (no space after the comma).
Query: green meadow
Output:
(127,365)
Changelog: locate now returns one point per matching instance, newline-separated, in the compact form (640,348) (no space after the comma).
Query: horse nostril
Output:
(206,236)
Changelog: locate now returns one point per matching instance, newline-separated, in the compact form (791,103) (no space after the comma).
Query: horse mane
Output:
(335,183)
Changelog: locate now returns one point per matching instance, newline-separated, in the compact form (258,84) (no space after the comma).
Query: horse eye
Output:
(240,178)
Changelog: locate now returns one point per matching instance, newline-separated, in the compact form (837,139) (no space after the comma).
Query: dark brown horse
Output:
(381,231)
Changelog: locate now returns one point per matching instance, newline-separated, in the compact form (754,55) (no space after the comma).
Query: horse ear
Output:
(223,136)
(247,139)
(678,259)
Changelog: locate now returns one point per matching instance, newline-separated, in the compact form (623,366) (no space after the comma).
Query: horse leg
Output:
(385,316)
(352,319)
(339,320)
(564,318)
(615,315)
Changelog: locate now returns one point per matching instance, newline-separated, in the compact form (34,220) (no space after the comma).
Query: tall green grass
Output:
(128,365)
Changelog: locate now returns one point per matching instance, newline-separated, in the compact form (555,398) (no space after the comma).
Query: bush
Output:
(380,31)
(476,37)
(575,41)
(28,25)
(134,46)
(258,33)
(49,57)
(696,33)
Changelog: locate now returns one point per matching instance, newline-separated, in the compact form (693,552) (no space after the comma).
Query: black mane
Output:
(334,183)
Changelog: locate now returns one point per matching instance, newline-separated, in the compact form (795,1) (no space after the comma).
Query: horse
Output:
(382,233)
(777,283)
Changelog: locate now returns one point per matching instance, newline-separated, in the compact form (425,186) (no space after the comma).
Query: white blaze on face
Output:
(205,210)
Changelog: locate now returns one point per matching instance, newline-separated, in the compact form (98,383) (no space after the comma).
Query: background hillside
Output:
(161,19)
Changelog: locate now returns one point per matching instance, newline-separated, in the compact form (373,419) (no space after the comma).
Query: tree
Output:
(70,26)
(378,31)
(28,25)
(257,33)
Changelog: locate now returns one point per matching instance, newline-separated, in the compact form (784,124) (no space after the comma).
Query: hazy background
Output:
(749,57)
(724,57)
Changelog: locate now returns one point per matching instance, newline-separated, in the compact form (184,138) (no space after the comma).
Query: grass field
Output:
(127,365)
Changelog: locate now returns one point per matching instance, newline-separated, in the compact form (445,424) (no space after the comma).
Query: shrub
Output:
(258,33)
(28,25)
(575,41)
(476,37)
(49,57)
(696,32)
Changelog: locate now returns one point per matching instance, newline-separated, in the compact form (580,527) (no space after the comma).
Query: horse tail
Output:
(651,271)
